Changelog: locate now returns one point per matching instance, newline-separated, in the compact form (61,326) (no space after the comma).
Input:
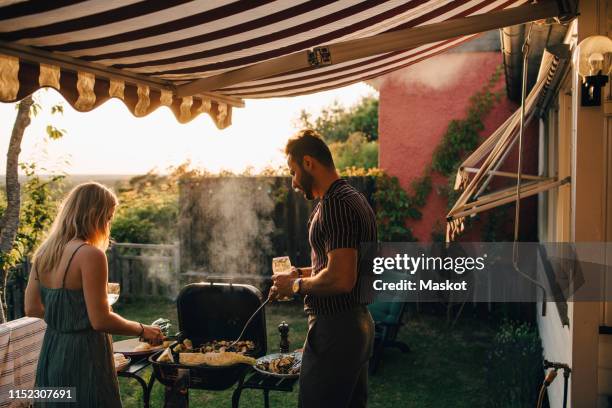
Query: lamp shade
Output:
(594,55)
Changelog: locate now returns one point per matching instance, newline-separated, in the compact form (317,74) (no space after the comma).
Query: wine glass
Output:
(281,264)
(112,290)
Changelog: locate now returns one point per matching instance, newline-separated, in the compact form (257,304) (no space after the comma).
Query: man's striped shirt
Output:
(343,218)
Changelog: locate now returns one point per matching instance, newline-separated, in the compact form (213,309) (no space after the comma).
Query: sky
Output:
(109,140)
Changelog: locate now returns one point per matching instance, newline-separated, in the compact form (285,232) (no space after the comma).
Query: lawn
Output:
(446,367)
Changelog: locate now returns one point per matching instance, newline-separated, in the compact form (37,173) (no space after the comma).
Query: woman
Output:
(67,287)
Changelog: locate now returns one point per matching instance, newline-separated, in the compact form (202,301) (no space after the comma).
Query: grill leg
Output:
(147,394)
(266,398)
(177,396)
(143,384)
(236,397)
(174,398)
(237,392)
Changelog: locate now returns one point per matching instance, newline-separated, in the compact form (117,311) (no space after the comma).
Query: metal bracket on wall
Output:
(558,296)
(319,57)
(568,9)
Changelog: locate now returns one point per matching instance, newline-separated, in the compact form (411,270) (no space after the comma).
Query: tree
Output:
(9,223)
(10,219)
(356,151)
(335,122)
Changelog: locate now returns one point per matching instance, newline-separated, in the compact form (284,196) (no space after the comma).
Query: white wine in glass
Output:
(281,264)
(112,290)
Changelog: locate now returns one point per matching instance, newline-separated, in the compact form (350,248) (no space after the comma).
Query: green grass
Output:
(446,367)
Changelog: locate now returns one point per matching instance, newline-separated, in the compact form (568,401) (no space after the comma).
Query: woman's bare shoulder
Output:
(90,253)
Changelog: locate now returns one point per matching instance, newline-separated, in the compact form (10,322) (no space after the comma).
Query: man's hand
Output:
(283,283)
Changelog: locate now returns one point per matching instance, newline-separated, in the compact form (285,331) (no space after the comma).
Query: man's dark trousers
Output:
(334,372)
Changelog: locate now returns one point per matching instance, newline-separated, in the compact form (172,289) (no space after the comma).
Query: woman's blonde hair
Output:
(84,214)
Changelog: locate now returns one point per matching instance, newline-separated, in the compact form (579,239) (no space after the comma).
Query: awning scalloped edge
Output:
(85,91)
(9,82)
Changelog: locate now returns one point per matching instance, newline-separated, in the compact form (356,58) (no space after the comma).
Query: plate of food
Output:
(135,347)
(282,365)
(121,361)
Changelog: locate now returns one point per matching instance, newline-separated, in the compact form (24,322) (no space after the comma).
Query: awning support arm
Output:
(477,208)
(506,174)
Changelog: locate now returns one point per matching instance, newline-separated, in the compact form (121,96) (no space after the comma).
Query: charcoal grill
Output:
(213,311)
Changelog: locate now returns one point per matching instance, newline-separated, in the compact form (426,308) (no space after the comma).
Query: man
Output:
(340,335)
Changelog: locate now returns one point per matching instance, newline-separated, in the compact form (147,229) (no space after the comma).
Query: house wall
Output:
(585,146)
(589,203)
(416,107)
(555,225)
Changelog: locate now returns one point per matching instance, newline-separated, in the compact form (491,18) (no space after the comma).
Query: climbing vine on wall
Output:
(395,206)
(463,135)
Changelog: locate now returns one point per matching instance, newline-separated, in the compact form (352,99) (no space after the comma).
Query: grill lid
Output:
(218,311)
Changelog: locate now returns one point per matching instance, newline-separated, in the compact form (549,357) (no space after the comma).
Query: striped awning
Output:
(207,56)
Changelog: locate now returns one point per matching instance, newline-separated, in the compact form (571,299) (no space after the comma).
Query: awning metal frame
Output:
(378,44)
(496,148)
(501,197)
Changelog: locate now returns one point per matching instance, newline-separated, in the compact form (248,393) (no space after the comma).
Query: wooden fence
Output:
(145,269)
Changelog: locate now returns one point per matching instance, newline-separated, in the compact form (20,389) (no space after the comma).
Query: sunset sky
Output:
(109,140)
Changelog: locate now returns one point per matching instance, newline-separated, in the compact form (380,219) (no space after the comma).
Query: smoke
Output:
(238,211)
(144,269)
(161,273)
(436,73)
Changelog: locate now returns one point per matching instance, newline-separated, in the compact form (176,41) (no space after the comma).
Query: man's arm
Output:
(305,271)
(339,277)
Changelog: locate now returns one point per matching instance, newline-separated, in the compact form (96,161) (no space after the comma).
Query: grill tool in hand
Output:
(249,321)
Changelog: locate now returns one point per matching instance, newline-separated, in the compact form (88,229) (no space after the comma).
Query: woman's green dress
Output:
(73,354)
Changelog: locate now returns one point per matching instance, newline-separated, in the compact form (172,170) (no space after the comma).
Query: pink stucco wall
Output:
(416,106)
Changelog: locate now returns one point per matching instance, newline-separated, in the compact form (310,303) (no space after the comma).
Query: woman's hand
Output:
(152,335)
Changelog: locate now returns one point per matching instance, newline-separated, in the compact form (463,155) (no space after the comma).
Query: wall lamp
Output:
(594,63)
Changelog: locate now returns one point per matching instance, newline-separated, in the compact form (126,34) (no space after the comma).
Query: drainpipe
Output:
(511,43)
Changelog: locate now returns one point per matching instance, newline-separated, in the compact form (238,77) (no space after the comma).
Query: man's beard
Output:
(306,183)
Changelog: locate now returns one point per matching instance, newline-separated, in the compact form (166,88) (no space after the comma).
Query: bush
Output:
(514,366)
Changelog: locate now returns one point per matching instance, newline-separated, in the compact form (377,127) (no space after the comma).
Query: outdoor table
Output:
(20,343)
(263,382)
(135,370)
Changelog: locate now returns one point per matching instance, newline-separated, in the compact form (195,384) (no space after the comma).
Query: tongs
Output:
(249,321)
(171,338)
(164,325)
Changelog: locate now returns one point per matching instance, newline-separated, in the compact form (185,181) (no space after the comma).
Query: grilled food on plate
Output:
(282,365)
